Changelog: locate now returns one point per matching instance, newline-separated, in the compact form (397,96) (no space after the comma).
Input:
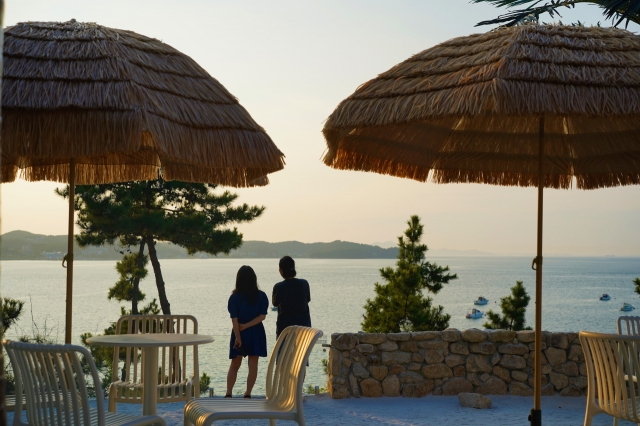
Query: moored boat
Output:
(626,307)
(480,301)
(605,297)
(474,313)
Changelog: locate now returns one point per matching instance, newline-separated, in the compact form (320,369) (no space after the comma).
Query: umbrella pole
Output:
(535,418)
(69,256)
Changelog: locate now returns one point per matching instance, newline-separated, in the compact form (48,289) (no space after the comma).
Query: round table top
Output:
(150,340)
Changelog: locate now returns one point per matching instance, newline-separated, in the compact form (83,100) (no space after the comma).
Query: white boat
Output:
(605,297)
(274,308)
(626,307)
(480,301)
(474,313)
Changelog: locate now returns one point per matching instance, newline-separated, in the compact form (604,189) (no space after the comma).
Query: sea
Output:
(339,290)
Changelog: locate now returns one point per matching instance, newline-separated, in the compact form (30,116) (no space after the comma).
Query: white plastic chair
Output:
(611,359)
(628,326)
(56,391)
(285,376)
(174,382)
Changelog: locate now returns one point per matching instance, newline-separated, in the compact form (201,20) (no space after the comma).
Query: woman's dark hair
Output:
(288,267)
(247,284)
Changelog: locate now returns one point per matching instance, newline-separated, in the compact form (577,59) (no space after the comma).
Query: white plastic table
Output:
(150,344)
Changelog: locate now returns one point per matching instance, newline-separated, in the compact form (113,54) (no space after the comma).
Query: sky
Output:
(290,63)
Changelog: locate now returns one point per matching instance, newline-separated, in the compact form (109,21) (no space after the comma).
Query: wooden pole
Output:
(535,418)
(69,256)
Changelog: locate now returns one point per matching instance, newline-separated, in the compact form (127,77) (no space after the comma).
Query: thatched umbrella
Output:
(86,104)
(522,106)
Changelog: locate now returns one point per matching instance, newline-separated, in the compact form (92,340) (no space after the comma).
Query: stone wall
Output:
(491,362)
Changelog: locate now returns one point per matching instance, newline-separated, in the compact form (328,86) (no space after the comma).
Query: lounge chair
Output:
(285,376)
(53,380)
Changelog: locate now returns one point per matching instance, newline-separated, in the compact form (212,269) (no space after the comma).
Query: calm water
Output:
(339,289)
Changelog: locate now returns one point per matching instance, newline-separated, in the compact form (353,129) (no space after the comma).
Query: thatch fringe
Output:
(120,100)
(468,110)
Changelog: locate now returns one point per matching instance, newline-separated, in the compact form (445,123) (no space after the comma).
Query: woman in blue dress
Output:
(247,308)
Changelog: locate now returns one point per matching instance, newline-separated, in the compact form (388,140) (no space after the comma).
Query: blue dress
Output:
(254,339)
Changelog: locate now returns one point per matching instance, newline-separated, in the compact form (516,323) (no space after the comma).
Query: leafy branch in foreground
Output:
(615,10)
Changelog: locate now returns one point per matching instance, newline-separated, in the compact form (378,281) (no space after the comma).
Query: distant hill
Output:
(22,245)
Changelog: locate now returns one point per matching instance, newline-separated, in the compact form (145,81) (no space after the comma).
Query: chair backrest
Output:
(173,361)
(612,372)
(629,326)
(287,365)
(54,383)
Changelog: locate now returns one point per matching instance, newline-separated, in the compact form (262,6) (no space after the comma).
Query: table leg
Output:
(150,380)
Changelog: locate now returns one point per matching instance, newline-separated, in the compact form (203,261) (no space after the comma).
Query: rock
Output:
(560,381)
(355,355)
(455,386)
(512,349)
(493,386)
(505,336)
(558,340)
(520,389)
(433,345)
(436,371)
(335,361)
(396,369)
(501,373)
(437,392)
(454,360)
(417,358)
(513,362)
(582,369)
(473,379)
(373,359)
(548,390)
(532,346)
(396,357)
(579,382)
(474,335)
(388,346)
(474,400)
(495,359)
(450,335)
(486,348)
(546,369)
(459,371)
(568,368)
(410,377)
(556,356)
(409,346)
(359,371)
(344,342)
(424,335)
(576,354)
(414,366)
(526,336)
(378,372)
(347,362)
(391,386)
(418,390)
(520,376)
(458,348)
(484,377)
(571,391)
(353,382)
(478,364)
(371,388)
(432,357)
(372,338)
(338,391)
(364,348)
(398,337)
(545,380)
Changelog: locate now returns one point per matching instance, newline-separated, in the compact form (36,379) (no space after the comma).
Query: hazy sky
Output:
(290,63)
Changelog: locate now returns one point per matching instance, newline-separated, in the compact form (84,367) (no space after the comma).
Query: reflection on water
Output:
(339,289)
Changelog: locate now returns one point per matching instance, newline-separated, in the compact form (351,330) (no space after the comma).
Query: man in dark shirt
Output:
(291,297)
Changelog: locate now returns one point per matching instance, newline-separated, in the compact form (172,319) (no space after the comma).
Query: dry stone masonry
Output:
(450,362)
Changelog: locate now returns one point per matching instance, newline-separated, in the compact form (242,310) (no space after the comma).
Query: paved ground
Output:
(432,410)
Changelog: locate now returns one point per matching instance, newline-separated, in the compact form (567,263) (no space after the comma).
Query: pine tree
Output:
(189,215)
(400,304)
(131,269)
(637,283)
(514,309)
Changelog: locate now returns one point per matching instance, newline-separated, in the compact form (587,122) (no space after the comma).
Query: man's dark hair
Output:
(288,267)
(247,284)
